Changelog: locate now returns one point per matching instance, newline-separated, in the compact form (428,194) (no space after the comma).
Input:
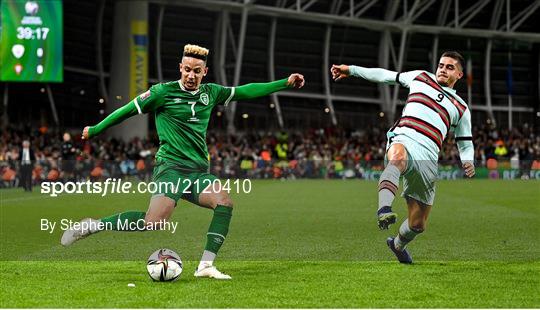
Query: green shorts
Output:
(173,181)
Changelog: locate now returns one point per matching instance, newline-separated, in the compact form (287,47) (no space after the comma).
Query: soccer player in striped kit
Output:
(432,110)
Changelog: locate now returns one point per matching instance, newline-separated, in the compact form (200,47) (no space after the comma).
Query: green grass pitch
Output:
(309,243)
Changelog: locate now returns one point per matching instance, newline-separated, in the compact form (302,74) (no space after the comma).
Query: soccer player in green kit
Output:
(182,110)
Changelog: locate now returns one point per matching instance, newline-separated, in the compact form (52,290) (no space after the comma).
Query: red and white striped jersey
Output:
(431,111)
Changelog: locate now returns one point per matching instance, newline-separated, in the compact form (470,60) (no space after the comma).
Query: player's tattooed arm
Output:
(255,90)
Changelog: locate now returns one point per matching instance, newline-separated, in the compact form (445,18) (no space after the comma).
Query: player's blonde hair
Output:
(191,50)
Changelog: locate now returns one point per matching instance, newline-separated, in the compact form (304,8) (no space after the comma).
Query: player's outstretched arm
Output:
(112,119)
(376,75)
(465,144)
(255,90)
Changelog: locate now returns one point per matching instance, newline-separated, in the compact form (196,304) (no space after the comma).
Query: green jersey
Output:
(182,118)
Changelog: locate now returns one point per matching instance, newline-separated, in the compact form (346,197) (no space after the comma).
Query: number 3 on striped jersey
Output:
(192,103)
(440,97)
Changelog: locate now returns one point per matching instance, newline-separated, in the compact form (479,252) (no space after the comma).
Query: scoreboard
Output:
(31,41)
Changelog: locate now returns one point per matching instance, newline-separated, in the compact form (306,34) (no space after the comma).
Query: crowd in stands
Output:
(313,153)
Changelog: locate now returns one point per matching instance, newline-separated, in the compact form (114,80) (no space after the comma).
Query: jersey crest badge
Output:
(204,98)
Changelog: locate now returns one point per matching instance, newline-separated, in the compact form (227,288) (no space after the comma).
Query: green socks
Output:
(125,221)
(219,227)
(134,221)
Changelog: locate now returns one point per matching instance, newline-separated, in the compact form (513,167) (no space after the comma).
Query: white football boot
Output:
(71,235)
(211,272)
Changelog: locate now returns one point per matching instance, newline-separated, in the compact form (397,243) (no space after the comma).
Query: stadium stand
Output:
(314,153)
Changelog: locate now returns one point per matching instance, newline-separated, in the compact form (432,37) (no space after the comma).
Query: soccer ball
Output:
(164,265)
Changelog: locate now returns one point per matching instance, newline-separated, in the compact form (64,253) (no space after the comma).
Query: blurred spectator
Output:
(27,160)
(8,177)
(311,153)
(500,149)
(68,157)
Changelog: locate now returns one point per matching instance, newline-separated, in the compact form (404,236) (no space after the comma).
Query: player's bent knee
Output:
(217,199)
(226,202)
(398,158)
(153,218)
